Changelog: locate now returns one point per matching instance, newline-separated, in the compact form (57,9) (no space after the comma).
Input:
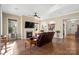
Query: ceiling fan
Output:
(36,15)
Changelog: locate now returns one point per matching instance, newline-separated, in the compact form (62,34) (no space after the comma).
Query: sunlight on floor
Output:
(10,49)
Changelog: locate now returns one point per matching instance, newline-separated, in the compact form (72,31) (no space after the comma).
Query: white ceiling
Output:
(44,10)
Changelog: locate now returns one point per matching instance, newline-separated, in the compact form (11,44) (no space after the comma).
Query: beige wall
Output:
(59,21)
(58,24)
(5,22)
(69,28)
(20,22)
(0,20)
(24,30)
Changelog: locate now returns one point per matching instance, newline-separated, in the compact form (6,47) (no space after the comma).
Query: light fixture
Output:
(52,22)
(16,8)
(35,15)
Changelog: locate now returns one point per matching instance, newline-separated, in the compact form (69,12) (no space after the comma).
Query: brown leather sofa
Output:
(44,38)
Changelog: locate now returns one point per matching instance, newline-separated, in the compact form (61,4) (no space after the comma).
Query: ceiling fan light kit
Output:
(35,15)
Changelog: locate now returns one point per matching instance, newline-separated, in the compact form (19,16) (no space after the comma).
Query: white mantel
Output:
(28,30)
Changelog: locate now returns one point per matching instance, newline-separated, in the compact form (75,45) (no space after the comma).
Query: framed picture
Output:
(51,26)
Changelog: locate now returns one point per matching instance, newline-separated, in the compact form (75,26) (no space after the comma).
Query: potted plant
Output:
(58,33)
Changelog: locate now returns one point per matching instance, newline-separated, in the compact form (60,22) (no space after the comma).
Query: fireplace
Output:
(28,34)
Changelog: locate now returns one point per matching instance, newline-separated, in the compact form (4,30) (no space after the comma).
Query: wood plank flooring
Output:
(56,47)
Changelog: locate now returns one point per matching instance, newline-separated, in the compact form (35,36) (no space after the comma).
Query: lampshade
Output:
(5,35)
(52,22)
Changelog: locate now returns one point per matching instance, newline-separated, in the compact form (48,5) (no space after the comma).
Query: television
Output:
(29,24)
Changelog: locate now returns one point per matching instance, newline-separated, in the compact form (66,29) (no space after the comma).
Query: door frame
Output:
(16,23)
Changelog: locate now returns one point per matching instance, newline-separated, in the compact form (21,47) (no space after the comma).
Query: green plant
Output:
(58,31)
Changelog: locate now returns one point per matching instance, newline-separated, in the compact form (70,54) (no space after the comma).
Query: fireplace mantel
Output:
(29,34)
(27,30)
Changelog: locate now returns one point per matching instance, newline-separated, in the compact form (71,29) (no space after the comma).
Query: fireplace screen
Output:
(28,34)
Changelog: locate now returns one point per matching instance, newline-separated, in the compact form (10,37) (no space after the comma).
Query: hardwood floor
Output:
(56,47)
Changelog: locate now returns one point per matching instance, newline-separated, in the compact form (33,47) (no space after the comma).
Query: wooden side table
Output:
(4,40)
(34,42)
(30,42)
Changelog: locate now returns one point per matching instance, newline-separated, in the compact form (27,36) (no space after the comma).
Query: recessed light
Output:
(16,8)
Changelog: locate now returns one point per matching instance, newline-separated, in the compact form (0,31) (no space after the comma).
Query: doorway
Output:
(12,28)
(71,28)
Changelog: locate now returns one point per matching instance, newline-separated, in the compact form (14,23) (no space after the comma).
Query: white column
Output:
(0,20)
(21,22)
(1,26)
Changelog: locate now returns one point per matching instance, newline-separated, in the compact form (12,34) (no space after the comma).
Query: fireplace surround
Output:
(28,34)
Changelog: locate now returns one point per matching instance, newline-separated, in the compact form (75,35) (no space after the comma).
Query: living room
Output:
(22,21)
